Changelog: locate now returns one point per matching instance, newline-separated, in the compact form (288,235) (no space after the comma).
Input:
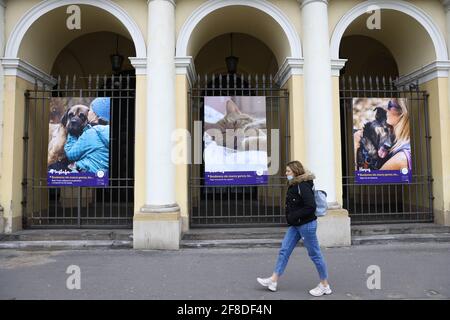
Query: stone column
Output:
(446,4)
(321,158)
(318,121)
(157,225)
(2,53)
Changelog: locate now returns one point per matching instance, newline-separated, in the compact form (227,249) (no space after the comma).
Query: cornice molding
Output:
(24,70)
(171,1)
(336,66)
(291,66)
(139,64)
(436,69)
(186,66)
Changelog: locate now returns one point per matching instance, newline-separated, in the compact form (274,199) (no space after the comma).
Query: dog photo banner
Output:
(78,146)
(235,141)
(382,146)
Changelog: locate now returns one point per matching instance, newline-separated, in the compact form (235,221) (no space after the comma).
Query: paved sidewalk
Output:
(411,271)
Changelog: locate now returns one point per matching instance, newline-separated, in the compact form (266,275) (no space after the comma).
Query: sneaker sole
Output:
(266,286)
(325,294)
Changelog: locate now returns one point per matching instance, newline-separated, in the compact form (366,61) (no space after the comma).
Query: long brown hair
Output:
(296,167)
(401,129)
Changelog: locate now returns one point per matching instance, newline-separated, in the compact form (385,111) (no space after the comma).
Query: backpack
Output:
(320,197)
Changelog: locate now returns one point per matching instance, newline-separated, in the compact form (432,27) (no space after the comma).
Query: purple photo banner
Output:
(77,179)
(383,177)
(235,178)
(235,141)
(382,144)
(78,147)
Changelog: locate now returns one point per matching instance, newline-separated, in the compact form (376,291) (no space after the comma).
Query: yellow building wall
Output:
(40,48)
(138,11)
(338,8)
(182,184)
(408,41)
(439,112)
(337,139)
(140,143)
(12,164)
(296,118)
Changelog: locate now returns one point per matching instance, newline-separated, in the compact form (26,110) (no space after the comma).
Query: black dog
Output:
(376,142)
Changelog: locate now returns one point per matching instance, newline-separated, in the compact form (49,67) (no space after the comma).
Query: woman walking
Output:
(302,221)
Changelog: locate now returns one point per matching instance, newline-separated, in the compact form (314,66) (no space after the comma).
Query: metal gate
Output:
(80,207)
(261,205)
(387,203)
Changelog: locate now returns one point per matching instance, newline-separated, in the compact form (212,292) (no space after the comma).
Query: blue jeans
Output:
(307,232)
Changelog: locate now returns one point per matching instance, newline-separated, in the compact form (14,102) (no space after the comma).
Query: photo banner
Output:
(235,141)
(78,147)
(382,146)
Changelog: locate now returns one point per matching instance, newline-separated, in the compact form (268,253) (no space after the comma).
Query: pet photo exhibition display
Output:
(78,146)
(235,141)
(382,148)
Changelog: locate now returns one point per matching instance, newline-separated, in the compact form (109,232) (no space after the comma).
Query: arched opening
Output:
(262,45)
(376,59)
(257,18)
(211,58)
(90,54)
(400,34)
(81,63)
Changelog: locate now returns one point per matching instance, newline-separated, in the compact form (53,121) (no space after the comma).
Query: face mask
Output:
(290,178)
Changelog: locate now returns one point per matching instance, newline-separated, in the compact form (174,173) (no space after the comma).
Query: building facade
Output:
(310,59)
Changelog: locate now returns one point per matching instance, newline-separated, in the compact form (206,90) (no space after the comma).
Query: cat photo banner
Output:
(235,141)
(78,147)
(382,147)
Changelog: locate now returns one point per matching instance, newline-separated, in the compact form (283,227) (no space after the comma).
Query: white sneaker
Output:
(267,282)
(320,290)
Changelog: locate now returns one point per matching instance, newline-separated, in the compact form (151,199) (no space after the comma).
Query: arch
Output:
(413,11)
(27,20)
(262,5)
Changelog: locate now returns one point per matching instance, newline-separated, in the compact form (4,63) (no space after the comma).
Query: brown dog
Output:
(76,119)
(57,133)
(73,121)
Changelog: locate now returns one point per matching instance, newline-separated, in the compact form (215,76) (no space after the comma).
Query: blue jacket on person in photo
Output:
(90,151)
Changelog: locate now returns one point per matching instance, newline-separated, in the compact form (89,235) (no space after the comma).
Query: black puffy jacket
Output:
(300,207)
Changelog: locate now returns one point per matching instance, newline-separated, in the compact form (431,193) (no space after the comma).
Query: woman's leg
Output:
(289,243)
(308,232)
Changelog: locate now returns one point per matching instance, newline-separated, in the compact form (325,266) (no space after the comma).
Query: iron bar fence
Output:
(242,205)
(80,207)
(387,203)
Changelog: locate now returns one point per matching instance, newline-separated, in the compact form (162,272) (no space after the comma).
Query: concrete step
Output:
(69,235)
(233,238)
(276,242)
(231,243)
(67,239)
(66,244)
(272,237)
(405,228)
(235,233)
(401,238)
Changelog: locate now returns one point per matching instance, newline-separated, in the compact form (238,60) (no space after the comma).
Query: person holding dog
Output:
(399,156)
(88,151)
(400,153)
(302,221)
